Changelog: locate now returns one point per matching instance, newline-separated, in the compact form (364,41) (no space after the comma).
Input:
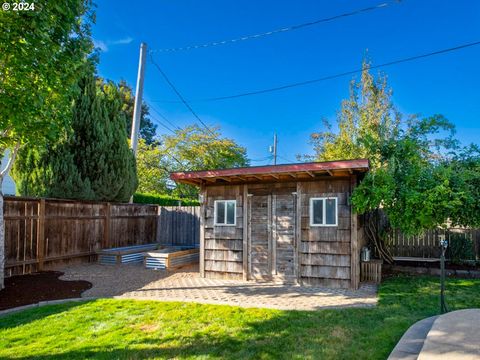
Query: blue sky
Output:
(447,84)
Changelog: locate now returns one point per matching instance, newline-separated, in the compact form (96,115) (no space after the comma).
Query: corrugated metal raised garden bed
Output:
(154,256)
(170,258)
(124,255)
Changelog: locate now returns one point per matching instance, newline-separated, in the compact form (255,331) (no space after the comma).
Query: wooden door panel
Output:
(259,231)
(284,236)
(271,245)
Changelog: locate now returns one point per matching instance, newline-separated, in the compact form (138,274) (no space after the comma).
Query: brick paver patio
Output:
(136,282)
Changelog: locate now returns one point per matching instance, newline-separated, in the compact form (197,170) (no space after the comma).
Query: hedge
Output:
(164,200)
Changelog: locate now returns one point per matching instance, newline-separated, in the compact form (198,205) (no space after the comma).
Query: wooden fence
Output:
(427,245)
(43,233)
(179,225)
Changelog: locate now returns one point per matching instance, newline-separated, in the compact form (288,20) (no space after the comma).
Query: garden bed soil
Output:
(42,286)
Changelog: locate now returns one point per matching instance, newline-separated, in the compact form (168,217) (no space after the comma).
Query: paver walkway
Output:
(136,282)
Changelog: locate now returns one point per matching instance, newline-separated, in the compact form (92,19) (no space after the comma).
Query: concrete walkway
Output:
(412,341)
(455,336)
(136,282)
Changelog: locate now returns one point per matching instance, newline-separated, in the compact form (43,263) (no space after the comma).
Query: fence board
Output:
(427,245)
(179,225)
(51,232)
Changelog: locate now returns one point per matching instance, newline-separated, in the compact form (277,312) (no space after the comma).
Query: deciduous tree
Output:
(420,177)
(411,183)
(365,119)
(191,148)
(153,176)
(41,53)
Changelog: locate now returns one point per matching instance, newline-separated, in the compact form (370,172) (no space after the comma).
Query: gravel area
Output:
(136,282)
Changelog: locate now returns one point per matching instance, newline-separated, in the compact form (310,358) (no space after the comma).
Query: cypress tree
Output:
(100,146)
(50,171)
(93,162)
(65,179)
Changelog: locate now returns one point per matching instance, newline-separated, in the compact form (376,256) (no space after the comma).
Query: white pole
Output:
(137,111)
(274,148)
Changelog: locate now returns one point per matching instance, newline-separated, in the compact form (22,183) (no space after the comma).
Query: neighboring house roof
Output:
(273,172)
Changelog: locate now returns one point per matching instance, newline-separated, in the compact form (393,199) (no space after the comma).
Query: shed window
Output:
(323,211)
(225,212)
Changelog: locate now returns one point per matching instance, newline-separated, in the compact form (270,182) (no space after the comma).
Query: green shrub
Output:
(164,200)
(460,248)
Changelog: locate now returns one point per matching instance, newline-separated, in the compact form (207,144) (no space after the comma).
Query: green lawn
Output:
(125,329)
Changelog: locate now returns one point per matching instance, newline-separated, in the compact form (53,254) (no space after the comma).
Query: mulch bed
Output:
(42,286)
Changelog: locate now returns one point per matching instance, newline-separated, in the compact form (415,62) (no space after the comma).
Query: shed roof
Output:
(292,172)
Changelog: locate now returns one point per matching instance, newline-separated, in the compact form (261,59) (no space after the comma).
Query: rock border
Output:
(417,270)
(44,303)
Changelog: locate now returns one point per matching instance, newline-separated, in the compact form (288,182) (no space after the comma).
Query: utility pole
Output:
(137,110)
(274,148)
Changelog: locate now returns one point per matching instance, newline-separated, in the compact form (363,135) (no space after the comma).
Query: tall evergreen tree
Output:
(50,172)
(111,162)
(92,162)
(147,130)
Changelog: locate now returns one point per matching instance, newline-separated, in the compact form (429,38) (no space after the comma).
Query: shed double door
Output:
(271,237)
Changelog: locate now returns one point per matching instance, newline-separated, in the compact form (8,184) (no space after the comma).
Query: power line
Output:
(284,158)
(346,73)
(277,31)
(187,105)
(263,159)
(158,122)
(163,117)
(173,132)
(170,154)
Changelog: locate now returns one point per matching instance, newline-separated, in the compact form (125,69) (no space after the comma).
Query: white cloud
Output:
(104,45)
(123,41)
(101,45)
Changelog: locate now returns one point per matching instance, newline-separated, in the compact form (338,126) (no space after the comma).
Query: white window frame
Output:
(324,219)
(226,207)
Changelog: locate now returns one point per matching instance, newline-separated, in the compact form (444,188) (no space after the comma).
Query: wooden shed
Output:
(281,223)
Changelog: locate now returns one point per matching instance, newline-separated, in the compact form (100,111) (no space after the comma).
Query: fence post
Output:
(476,242)
(41,234)
(157,224)
(106,233)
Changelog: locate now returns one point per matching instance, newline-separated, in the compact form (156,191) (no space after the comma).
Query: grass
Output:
(128,329)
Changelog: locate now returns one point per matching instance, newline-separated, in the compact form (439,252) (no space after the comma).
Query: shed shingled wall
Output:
(325,251)
(223,244)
